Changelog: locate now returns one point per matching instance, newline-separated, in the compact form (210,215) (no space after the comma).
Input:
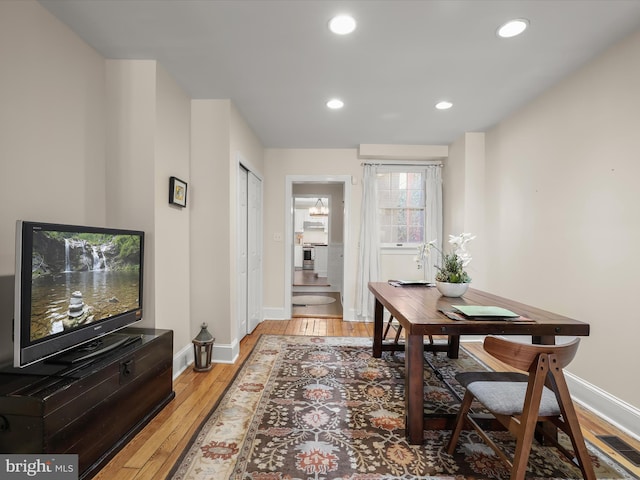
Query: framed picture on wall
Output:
(177,192)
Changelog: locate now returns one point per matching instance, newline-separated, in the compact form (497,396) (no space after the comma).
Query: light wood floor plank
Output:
(152,453)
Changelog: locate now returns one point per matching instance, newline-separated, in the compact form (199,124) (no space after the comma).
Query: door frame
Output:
(347,280)
(254,262)
(242,244)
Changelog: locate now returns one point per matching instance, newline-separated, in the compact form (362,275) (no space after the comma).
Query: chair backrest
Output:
(522,355)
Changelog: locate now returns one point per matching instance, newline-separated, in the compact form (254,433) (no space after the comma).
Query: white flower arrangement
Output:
(453,264)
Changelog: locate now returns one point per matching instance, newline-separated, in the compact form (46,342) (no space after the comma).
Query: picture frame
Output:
(177,192)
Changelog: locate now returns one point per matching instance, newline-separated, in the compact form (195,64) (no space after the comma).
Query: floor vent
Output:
(622,447)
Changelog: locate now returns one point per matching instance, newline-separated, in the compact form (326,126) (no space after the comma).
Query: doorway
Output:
(316,264)
(311,223)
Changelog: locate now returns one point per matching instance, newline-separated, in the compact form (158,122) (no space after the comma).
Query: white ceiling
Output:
(279,64)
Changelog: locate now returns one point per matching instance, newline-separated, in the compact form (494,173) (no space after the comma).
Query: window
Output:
(401,206)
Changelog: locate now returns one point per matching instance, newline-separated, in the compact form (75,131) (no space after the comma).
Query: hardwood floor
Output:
(152,453)
(308,278)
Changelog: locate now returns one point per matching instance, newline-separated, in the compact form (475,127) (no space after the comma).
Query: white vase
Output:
(452,289)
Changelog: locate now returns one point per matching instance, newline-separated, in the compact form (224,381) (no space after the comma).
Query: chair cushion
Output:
(507,398)
(465,378)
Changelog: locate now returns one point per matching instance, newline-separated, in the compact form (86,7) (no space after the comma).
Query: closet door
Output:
(254,250)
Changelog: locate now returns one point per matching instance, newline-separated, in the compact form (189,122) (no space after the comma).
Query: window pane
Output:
(384,180)
(385,217)
(415,217)
(400,232)
(415,180)
(416,234)
(384,198)
(401,201)
(398,181)
(386,235)
(415,198)
(400,217)
(398,198)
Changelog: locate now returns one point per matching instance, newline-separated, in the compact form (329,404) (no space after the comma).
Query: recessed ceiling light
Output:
(513,28)
(444,105)
(342,24)
(335,104)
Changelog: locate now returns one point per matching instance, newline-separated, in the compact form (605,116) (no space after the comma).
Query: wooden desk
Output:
(417,310)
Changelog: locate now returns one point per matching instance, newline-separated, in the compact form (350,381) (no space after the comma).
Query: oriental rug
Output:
(323,408)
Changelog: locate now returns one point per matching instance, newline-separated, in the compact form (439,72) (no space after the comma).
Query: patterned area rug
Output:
(324,408)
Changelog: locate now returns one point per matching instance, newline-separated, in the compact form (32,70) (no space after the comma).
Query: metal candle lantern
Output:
(202,347)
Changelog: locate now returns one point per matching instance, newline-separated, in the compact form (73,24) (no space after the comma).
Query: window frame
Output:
(403,247)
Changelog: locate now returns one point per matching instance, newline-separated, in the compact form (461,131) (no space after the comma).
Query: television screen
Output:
(73,284)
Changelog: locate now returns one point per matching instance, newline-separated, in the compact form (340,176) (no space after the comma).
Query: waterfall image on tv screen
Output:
(81,278)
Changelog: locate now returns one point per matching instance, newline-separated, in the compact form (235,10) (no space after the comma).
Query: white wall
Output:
(278,164)
(243,141)
(219,136)
(84,140)
(131,120)
(210,219)
(317,162)
(172,223)
(147,142)
(400,264)
(562,199)
(463,200)
(52,133)
(51,136)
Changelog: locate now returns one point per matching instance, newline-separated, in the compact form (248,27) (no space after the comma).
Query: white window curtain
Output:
(433,214)
(369,252)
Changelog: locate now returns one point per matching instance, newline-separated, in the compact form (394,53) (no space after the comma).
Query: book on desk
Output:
(411,283)
(483,313)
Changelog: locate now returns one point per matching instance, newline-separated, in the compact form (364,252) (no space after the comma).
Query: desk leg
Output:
(377,329)
(454,346)
(543,339)
(547,427)
(414,388)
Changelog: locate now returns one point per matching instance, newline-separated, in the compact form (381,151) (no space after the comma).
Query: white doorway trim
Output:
(347,280)
(242,263)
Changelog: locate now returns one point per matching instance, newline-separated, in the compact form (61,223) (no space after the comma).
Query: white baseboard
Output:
(615,411)
(182,360)
(349,315)
(225,353)
(274,313)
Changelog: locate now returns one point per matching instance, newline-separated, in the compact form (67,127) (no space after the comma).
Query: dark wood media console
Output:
(92,409)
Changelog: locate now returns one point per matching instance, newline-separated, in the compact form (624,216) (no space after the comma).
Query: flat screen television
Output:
(75,285)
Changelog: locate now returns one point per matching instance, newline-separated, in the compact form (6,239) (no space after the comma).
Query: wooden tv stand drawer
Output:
(92,410)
